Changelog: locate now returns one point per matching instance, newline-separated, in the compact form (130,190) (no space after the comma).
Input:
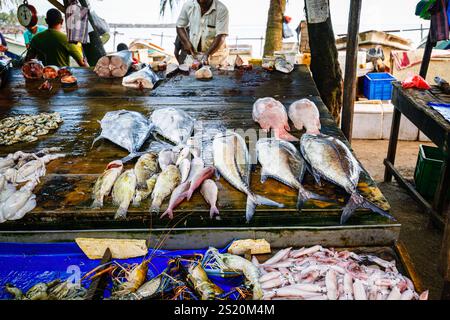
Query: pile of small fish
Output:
(23,169)
(53,290)
(26,128)
(176,171)
(317,273)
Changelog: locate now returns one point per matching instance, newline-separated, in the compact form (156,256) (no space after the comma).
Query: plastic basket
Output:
(428,169)
(378,86)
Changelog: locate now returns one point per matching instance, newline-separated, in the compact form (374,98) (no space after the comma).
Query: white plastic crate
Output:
(408,131)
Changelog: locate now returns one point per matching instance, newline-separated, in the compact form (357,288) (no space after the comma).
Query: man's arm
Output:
(184,38)
(76,54)
(218,42)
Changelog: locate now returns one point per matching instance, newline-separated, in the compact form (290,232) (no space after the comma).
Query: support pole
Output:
(350,68)
(426,57)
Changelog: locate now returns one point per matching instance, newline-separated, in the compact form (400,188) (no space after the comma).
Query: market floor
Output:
(421,240)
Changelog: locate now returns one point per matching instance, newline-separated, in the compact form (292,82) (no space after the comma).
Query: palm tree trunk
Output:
(325,65)
(274,30)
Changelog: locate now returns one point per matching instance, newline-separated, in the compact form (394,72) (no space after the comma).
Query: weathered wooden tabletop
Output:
(64,195)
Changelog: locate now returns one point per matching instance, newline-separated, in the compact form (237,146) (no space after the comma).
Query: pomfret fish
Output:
(105,182)
(331,159)
(142,194)
(123,192)
(173,124)
(209,192)
(281,161)
(145,167)
(271,114)
(232,160)
(167,181)
(304,113)
(127,129)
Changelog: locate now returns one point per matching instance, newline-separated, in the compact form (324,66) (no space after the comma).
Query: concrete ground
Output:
(422,241)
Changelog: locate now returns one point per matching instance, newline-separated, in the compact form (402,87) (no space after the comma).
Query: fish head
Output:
(114,164)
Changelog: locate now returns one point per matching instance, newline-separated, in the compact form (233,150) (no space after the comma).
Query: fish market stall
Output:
(64,194)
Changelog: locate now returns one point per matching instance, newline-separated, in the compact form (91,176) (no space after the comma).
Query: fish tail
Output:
(155,207)
(284,135)
(98,203)
(121,213)
(257,200)
(304,195)
(136,201)
(358,201)
(168,212)
(213,212)
(188,194)
(95,140)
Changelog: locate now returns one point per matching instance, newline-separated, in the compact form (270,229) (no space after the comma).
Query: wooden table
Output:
(413,105)
(64,196)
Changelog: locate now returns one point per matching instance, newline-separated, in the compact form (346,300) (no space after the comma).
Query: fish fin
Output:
(121,213)
(358,201)
(98,203)
(250,208)
(260,200)
(287,127)
(284,135)
(95,140)
(264,176)
(314,173)
(304,195)
(213,212)
(131,156)
(168,212)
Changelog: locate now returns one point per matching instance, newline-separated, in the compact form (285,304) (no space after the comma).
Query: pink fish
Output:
(177,197)
(304,113)
(271,114)
(209,192)
(198,179)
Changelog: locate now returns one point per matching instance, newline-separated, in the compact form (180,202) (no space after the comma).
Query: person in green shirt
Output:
(52,47)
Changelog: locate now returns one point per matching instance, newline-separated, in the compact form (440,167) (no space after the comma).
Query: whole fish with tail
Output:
(105,182)
(330,159)
(231,159)
(173,124)
(123,192)
(166,183)
(281,161)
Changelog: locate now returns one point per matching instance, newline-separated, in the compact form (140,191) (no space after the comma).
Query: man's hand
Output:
(189,48)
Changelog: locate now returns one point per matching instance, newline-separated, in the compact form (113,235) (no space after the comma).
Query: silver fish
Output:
(127,129)
(281,161)
(173,124)
(231,159)
(123,192)
(331,159)
(142,79)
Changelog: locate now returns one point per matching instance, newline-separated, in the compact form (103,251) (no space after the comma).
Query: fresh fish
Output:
(185,168)
(127,129)
(197,165)
(167,181)
(18,203)
(142,194)
(281,161)
(198,179)
(283,66)
(177,197)
(209,192)
(359,290)
(204,73)
(105,182)
(142,79)
(185,153)
(331,284)
(123,192)
(173,124)
(231,159)
(271,114)
(145,168)
(8,189)
(35,169)
(304,114)
(165,158)
(331,159)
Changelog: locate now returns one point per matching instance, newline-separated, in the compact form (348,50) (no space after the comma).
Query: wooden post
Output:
(426,57)
(97,288)
(350,68)
(58,5)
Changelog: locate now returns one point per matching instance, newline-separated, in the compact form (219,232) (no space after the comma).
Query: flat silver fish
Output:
(330,159)
(232,160)
(127,129)
(281,161)
(173,124)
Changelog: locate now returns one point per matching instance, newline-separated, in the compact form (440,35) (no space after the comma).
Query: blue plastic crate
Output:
(378,86)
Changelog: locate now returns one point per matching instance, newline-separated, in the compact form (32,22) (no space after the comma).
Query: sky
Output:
(248,17)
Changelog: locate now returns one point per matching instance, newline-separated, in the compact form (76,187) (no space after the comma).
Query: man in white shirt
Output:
(207,21)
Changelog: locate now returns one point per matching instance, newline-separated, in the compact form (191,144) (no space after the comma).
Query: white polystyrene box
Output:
(423,137)
(367,121)
(408,131)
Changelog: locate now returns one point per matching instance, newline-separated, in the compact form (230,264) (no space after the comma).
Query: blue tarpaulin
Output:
(26,264)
